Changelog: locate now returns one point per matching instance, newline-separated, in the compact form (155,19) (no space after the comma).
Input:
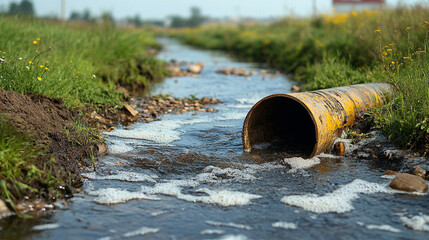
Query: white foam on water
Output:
(284,225)
(170,188)
(123,176)
(241,106)
(338,201)
(221,197)
(115,196)
(419,222)
(141,232)
(233,237)
(118,147)
(158,131)
(232,116)
(156,213)
(383,227)
(233,225)
(298,163)
(211,173)
(48,226)
(105,238)
(327,155)
(212,231)
(161,132)
(251,101)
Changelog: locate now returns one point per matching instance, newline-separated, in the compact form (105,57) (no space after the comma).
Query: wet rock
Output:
(235,71)
(339,148)
(409,183)
(419,171)
(102,148)
(295,88)
(210,109)
(391,173)
(4,210)
(131,110)
(195,68)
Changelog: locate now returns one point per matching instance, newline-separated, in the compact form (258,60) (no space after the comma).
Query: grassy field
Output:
(343,49)
(82,64)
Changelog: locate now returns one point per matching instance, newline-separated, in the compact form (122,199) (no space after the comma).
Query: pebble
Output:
(339,148)
(419,171)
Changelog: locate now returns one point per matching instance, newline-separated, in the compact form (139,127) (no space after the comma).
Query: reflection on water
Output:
(187,176)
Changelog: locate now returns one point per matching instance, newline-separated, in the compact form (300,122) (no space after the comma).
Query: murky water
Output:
(187,177)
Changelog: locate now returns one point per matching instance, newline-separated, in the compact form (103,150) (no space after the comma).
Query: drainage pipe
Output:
(307,123)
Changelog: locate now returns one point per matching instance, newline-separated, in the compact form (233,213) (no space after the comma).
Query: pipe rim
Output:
(245,132)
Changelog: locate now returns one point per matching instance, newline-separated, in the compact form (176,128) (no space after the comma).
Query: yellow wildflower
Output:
(46,68)
(39,78)
(34,42)
(377,31)
(41,66)
(408,28)
(38,39)
(392,62)
(30,62)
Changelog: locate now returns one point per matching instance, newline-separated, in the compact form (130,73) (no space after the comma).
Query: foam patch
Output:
(419,222)
(118,147)
(233,237)
(141,232)
(162,132)
(115,196)
(212,231)
(339,201)
(233,225)
(284,225)
(298,163)
(123,176)
(383,227)
(170,188)
(221,197)
(211,173)
(42,227)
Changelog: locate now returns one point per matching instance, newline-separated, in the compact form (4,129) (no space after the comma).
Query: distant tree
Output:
(27,7)
(84,16)
(136,21)
(195,20)
(23,8)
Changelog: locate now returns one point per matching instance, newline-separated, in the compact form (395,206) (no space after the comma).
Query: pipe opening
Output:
(280,123)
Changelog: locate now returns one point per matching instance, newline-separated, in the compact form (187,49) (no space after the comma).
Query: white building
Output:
(357,5)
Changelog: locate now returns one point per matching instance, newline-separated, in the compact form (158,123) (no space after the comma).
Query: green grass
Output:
(79,63)
(343,49)
(18,170)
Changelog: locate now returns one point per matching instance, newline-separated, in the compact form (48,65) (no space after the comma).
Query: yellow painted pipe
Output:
(307,123)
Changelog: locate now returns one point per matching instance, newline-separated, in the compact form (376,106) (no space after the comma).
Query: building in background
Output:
(356,5)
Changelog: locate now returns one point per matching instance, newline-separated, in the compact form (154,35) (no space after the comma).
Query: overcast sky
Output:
(159,9)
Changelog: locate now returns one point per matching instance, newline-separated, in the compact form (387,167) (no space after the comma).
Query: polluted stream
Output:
(187,177)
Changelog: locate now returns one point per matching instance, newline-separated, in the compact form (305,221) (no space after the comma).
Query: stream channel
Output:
(187,177)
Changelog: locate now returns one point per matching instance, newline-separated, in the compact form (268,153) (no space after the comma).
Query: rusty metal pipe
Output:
(307,123)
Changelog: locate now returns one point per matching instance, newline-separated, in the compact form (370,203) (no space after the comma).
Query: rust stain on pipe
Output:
(307,123)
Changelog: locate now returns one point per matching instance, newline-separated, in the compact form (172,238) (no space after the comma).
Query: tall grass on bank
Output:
(343,49)
(77,62)
(19,174)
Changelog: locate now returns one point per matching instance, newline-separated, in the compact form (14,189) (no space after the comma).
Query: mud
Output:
(46,119)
